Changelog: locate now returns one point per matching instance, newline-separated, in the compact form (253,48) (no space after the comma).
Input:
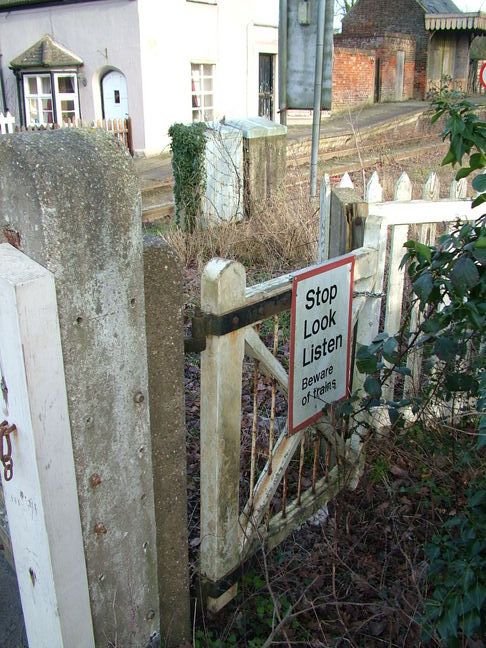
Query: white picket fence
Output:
(121,129)
(7,123)
(231,529)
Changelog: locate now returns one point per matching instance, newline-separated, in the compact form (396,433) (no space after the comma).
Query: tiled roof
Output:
(8,5)
(46,53)
(439,7)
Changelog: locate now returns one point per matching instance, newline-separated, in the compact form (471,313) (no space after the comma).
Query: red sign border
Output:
(305,274)
(481,81)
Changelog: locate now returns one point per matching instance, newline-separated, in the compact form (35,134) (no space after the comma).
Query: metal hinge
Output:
(205,324)
(6,449)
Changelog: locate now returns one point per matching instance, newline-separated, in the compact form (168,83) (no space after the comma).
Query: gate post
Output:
(70,200)
(40,498)
(165,348)
(222,289)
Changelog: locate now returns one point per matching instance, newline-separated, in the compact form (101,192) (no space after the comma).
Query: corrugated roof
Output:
(46,53)
(439,7)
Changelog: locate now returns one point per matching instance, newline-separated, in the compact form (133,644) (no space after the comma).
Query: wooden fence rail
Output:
(121,129)
(232,526)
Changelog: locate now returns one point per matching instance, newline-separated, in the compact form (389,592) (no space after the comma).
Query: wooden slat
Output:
(396,276)
(374,190)
(458,190)
(222,288)
(324,219)
(345,182)
(419,211)
(256,349)
(265,488)
(394,296)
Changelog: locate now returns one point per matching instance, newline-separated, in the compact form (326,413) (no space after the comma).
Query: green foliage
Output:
(449,286)
(457,574)
(188,146)
(467,135)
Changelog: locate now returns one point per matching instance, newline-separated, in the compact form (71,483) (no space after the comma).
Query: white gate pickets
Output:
(232,530)
(7,123)
(41,496)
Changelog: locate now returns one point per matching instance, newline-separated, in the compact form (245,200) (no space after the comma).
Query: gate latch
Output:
(6,449)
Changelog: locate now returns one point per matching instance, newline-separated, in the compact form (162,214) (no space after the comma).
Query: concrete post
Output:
(165,345)
(70,201)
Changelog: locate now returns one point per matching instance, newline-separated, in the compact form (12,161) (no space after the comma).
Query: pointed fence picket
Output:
(7,123)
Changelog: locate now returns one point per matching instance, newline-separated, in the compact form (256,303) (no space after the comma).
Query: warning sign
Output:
(320,338)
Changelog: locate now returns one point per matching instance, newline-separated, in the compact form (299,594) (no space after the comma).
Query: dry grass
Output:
(281,236)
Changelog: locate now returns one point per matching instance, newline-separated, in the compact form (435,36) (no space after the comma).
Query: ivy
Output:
(188,148)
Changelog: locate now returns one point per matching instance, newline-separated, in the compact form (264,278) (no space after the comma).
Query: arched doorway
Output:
(114,95)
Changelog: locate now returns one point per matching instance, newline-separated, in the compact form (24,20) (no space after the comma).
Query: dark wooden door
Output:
(266,86)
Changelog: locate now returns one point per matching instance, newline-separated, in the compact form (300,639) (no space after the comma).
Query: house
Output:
(416,43)
(159,61)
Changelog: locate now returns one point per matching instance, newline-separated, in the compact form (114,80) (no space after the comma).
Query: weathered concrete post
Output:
(70,201)
(264,159)
(165,344)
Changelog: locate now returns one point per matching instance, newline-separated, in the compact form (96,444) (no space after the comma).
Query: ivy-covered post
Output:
(188,148)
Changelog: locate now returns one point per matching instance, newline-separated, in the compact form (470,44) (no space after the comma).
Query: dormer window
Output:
(48,82)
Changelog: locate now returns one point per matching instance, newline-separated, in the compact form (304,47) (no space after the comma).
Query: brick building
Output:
(414,43)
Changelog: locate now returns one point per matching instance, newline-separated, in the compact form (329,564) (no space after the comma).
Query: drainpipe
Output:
(2,87)
(316,120)
(282,61)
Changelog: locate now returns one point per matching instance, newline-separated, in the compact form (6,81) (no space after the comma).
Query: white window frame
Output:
(38,96)
(66,96)
(55,96)
(201,96)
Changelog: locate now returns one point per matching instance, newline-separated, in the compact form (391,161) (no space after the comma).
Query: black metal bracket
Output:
(204,324)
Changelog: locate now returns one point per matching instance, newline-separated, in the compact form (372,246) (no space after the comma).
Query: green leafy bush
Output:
(449,285)
(457,574)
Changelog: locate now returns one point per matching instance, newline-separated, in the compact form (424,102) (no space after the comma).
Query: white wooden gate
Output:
(39,482)
(241,511)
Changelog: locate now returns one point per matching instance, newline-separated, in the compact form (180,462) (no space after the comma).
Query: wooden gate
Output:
(242,510)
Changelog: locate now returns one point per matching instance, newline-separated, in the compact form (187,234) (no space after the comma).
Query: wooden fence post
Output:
(223,288)
(347,220)
(41,497)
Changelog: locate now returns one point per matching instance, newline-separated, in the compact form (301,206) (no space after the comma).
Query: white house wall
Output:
(104,35)
(153,42)
(227,33)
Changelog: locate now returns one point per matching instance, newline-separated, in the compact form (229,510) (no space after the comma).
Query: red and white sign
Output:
(482,75)
(320,339)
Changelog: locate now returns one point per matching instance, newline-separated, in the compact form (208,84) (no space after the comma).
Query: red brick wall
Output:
(375,18)
(353,78)
(385,48)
